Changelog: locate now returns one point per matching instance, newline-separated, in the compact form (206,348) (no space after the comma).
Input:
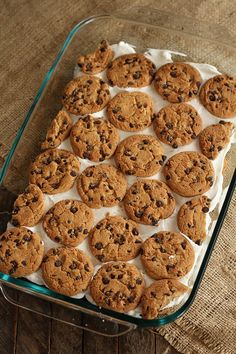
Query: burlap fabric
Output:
(31,33)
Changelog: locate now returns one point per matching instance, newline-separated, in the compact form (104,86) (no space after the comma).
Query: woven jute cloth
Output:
(31,33)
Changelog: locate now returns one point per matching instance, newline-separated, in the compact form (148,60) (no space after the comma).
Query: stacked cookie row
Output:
(166,256)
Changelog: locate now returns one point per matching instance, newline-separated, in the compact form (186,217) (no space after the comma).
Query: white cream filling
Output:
(159,57)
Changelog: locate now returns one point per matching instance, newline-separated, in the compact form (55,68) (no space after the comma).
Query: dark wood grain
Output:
(66,339)
(137,341)
(23,332)
(8,325)
(33,331)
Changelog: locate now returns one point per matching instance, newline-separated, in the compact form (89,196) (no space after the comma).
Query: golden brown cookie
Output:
(58,131)
(159,294)
(140,155)
(67,270)
(117,286)
(21,252)
(54,171)
(215,138)
(94,139)
(148,201)
(131,70)
(218,96)
(191,218)
(131,111)
(189,173)
(101,186)
(97,61)
(177,124)
(167,255)
(177,82)
(85,94)
(115,239)
(29,207)
(68,222)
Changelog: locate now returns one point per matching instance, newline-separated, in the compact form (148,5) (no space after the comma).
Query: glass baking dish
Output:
(145,29)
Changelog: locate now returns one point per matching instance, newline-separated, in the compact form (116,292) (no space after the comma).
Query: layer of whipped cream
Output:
(159,57)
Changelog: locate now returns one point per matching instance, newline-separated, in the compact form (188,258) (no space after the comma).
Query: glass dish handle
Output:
(105,324)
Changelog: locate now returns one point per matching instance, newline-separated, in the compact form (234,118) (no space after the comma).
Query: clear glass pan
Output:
(143,28)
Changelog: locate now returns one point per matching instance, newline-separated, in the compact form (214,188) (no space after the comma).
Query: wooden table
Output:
(23,332)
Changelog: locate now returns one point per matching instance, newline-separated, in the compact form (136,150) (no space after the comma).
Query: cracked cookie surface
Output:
(167,255)
(117,286)
(115,239)
(54,171)
(97,61)
(191,218)
(140,155)
(131,70)
(215,138)
(21,252)
(218,96)
(159,294)
(94,139)
(101,186)
(58,131)
(67,271)
(148,201)
(177,124)
(68,222)
(29,207)
(85,94)
(130,111)
(189,173)
(177,82)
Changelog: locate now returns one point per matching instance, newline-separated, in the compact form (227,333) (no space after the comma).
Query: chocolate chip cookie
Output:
(101,186)
(191,218)
(177,124)
(159,294)
(97,61)
(67,270)
(115,239)
(117,286)
(131,111)
(177,82)
(85,94)
(218,96)
(58,131)
(189,173)
(68,222)
(215,138)
(167,255)
(140,155)
(148,201)
(94,139)
(21,252)
(29,207)
(131,70)
(54,171)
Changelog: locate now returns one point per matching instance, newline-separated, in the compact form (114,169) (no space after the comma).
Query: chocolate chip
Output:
(131,299)
(169,125)
(137,75)
(105,280)
(212,148)
(27,238)
(187,171)
(120,118)
(219,148)
(138,213)
(100,257)
(86,267)
(167,177)
(58,263)
(205,209)
(120,276)
(184,244)
(15,222)
(159,203)
(74,265)
(98,246)
(112,276)
(173,74)
(73,173)
(107,301)
(135,232)
(73,209)
(146,187)
(174,146)
(24,263)
(170,266)
(157,238)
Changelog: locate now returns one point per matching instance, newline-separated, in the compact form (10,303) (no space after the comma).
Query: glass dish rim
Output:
(36,289)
